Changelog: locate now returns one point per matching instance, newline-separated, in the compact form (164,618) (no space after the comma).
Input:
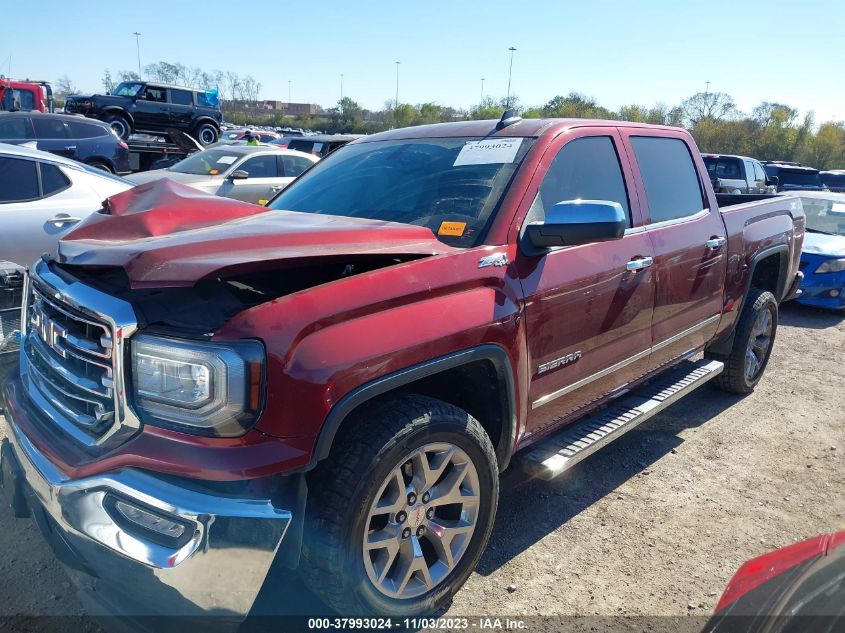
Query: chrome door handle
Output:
(70,148)
(277,188)
(716,242)
(639,263)
(63,219)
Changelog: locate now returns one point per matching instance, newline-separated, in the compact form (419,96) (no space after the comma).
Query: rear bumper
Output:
(216,566)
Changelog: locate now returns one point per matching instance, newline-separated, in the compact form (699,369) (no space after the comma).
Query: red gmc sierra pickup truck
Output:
(336,381)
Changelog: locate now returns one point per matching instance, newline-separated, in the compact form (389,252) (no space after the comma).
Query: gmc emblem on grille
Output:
(48,330)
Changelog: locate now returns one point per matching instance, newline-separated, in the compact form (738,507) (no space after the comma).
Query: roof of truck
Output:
(523,127)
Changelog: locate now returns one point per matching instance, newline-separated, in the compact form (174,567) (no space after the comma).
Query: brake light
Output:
(763,568)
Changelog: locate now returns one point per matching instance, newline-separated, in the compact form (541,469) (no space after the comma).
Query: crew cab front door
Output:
(588,314)
(688,239)
(151,109)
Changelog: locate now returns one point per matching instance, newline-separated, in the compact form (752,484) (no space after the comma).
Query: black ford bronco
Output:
(141,106)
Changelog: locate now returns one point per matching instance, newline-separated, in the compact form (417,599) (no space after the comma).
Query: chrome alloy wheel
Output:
(758,344)
(421,521)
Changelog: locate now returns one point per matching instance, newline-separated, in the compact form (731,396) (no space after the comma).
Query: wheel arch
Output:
(476,365)
(203,119)
(118,110)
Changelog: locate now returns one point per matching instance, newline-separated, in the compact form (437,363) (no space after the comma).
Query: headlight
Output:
(831,266)
(206,388)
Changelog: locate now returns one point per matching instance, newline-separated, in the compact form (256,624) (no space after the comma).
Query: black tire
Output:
(98,164)
(206,134)
(343,488)
(120,124)
(735,378)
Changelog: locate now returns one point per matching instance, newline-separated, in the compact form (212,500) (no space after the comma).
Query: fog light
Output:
(149,521)
(834,293)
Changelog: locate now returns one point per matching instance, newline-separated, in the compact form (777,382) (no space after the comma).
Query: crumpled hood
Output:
(825,245)
(165,234)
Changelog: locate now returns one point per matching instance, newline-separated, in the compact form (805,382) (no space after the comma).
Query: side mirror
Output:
(239,174)
(773,180)
(574,222)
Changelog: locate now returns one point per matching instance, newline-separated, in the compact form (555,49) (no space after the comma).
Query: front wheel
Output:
(752,346)
(120,124)
(401,511)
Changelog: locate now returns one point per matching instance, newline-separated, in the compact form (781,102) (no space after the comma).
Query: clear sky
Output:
(617,51)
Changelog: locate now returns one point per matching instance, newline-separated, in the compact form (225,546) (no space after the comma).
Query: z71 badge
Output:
(559,362)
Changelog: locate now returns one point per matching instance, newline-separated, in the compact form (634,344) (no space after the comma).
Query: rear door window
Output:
(182,97)
(14,128)
(292,166)
(47,128)
(81,129)
(669,177)
(588,169)
(18,180)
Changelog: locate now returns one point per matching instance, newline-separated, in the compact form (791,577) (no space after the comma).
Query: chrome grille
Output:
(72,348)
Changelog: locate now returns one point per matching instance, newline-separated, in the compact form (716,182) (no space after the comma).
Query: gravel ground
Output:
(653,525)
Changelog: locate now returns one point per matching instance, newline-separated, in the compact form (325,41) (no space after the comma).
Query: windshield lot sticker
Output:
(227,160)
(455,229)
(495,150)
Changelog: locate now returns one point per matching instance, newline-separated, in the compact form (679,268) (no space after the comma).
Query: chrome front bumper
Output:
(216,570)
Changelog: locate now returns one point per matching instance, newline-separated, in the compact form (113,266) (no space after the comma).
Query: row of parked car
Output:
(743,175)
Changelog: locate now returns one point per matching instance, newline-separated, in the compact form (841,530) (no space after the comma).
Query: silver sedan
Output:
(249,173)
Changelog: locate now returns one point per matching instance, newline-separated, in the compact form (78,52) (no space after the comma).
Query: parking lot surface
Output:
(655,524)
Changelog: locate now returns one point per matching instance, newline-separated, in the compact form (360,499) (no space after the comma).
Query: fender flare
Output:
(725,342)
(363,393)
(118,110)
(201,120)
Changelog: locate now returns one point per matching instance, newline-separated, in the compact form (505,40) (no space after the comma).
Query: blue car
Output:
(823,256)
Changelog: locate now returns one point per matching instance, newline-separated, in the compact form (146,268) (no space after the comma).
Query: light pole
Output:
(706,87)
(510,72)
(289,90)
(138,50)
(482,92)
(341,93)
(397,87)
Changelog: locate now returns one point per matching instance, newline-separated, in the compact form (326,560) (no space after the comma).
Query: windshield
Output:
(127,89)
(450,185)
(210,162)
(825,214)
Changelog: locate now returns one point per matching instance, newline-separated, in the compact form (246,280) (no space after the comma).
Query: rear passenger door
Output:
(588,317)
(688,240)
(181,108)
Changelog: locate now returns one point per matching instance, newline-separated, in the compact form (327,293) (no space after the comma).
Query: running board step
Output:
(552,456)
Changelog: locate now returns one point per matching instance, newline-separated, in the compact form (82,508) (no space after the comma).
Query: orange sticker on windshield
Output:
(214,172)
(455,229)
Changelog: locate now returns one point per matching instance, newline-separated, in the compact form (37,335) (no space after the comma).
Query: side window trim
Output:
(41,194)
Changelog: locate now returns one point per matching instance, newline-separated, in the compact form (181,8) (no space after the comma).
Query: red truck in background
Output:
(25,95)
(337,380)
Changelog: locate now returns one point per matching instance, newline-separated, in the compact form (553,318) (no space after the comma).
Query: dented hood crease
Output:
(167,234)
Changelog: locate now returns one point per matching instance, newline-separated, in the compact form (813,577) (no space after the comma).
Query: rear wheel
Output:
(752,346)
(401,511)
(98,164)
(206,134)
(120,124)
